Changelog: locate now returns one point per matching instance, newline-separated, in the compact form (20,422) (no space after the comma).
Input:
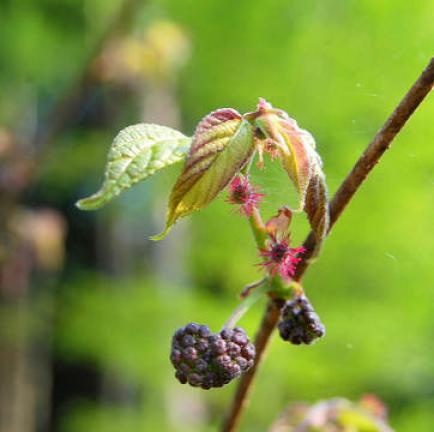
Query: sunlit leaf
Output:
(304,167)
(222,144)
(137,152)
(297,159)
(295,147)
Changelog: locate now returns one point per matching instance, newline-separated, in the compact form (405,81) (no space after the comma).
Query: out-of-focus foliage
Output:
(334,415)
(155,55)
(339,68)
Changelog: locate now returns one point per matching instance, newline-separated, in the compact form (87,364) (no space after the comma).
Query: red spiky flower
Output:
(241,192)
(281,258)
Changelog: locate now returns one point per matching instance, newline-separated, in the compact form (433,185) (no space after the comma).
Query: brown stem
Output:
(348,188)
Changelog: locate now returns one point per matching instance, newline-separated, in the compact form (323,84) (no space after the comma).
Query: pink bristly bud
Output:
(241,192)
(281,258)
(263,105)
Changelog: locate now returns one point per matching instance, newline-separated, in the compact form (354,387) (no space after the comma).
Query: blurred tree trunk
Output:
(32,251)
(32,247)
(17,390)
(17,381)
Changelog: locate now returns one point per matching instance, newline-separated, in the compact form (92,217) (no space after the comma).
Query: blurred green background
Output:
(89,304)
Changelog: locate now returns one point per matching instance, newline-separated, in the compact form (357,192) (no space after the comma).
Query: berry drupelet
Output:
(207,360)
(300,323)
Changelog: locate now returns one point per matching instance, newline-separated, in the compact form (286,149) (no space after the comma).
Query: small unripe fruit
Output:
(299,323)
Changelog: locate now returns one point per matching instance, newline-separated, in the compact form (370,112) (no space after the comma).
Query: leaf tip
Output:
(162,235)
(90,203)
(81,204)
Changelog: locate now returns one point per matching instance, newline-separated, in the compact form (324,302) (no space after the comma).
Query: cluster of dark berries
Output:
(206,360)
(300,323)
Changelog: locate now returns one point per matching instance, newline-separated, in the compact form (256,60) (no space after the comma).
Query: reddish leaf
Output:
(295,147)
(222,144)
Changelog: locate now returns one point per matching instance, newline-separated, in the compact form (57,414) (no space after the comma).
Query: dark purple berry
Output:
(184,368)
(195,379)
(239,338)
(181,377)
(248,351)
(234,368)
(190,354)
(242,362)
(179,334)
(226,333)
(175,356)
(188,340)
(208,360)
(219,346)
(201,365)
(204,331)
(192,328)
(233,349)
(223,360)
(202,345)
(299,323)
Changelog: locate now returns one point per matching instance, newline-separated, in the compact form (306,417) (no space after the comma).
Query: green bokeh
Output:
(339,68)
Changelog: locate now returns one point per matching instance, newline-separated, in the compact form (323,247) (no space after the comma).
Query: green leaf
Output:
(222,144)
(137,152)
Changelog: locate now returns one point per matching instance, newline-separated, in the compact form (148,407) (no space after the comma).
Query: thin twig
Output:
(348,188)
(249,288)
(262,287)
